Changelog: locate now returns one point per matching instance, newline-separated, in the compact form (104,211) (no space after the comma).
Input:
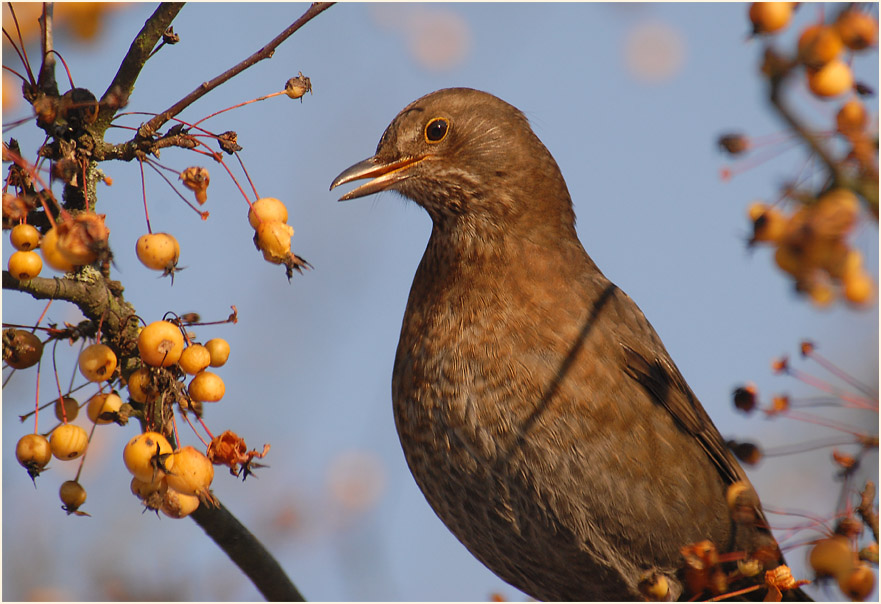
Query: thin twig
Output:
(264,53)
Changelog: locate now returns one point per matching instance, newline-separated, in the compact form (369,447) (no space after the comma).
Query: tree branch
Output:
(264,53)
(97,298)
(124,81)
(46,79)
(867,508)
(247,553)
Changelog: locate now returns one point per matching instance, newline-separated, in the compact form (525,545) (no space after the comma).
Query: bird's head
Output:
(462,152)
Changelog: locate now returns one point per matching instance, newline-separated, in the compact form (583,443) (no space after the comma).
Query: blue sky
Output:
(311,361)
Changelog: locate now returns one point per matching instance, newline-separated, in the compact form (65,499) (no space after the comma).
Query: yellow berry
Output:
(821,293)
(819,44)
(267,209)
(858,583)
(52,255)
(158,251)
(858,287)
(143,488)
(72,494)
(24,237)
(852,117)
(206,387)
(768,223)
(33,450)
(218,348)
(102,407)
(97,362)
(789,260)
(160,344)
(857,29)
(178,505)
(25,265)
(193,472)
(68,441)
(832,79)
(140,387)
(194,359)
(274,240)
(768,17)
(147,456)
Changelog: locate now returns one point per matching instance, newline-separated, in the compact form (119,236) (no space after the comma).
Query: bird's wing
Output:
(662,380)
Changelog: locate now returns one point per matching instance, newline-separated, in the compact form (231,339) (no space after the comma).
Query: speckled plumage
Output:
(538,410)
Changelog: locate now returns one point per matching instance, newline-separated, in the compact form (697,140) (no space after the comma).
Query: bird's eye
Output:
(436,130)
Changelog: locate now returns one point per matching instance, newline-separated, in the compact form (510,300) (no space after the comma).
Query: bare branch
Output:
(247,553)
(264,53)
(124,81)
(46,79)
(867,508)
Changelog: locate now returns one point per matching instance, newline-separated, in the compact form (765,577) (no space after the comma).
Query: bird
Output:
(537,408)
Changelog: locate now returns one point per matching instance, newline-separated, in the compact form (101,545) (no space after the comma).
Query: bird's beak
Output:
(384,175)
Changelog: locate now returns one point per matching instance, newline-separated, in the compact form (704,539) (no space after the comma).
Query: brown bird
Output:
(538,410)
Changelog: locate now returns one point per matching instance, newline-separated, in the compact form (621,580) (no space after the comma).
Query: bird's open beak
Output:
(384,175)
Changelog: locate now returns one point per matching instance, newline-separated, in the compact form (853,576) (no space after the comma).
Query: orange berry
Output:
(789,260)
(25,265)
(768,17)
(218,348)
(206,387)
(857,29)
(148,455)
(24,237)
(858,287)
(68,441)
(143,489)
(819,44)
(769,223)
(160,344)
(193,472)
(858,583)
(139,386)
(194,358)
(97,362)
(852,117)
(33,451)
(274,240)
(158,251)
(52,255)
(832,79)
(72,494)
(821,293)
(267,209)
(178,505)
(101,404)
(831,557)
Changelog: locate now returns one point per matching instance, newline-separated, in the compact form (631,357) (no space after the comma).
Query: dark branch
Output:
(97,298)
(46,79)
(264,53)
(124,81)
(247,553)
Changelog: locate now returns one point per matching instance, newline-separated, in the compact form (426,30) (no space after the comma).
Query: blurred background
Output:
(629,98)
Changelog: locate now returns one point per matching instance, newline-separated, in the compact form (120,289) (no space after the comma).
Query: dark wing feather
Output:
(667,387)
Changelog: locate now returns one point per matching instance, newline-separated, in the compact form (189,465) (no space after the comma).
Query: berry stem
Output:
(259,98)
(144,195)
(248,176)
